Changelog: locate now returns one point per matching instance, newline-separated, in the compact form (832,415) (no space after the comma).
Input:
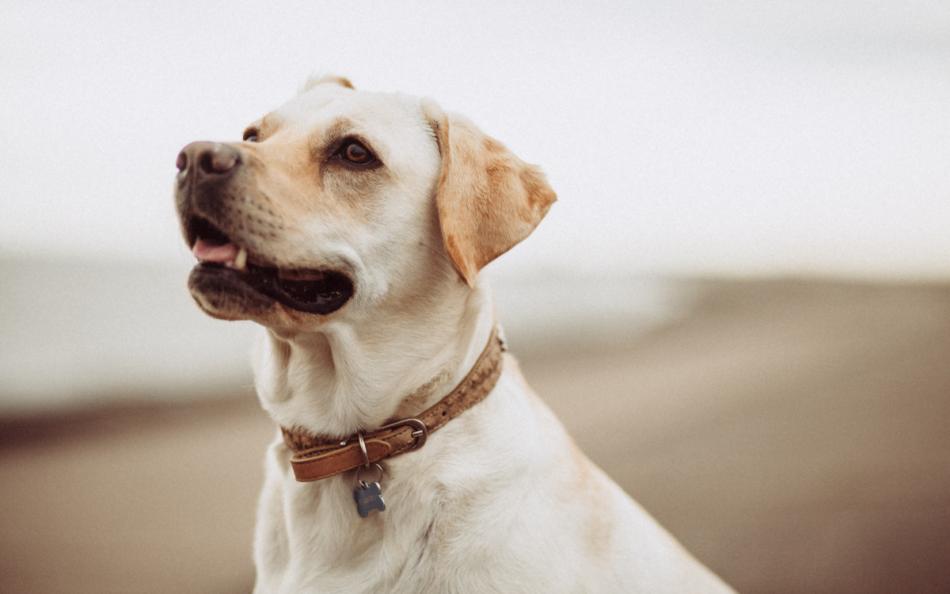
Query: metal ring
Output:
(379,468)
(359,435)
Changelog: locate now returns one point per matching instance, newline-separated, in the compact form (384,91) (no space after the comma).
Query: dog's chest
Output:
(329,547)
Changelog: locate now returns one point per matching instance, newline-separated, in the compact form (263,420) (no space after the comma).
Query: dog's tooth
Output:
(240,261)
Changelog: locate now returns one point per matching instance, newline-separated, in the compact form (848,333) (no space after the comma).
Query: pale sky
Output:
(684,137)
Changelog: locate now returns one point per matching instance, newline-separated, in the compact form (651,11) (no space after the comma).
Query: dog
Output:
(412,455)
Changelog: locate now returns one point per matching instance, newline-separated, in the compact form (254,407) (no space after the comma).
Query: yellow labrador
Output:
(352,226)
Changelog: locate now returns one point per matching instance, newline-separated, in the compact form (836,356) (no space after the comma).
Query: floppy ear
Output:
(488,199)
(326,79)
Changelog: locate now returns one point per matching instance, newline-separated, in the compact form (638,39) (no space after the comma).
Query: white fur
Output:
(499,500)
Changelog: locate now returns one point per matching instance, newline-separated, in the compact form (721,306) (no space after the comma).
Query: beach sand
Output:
(792,434)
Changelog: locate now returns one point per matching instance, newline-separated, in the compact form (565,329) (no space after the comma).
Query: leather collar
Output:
(315,458)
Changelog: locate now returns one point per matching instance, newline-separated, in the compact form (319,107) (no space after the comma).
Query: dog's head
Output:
(342,200)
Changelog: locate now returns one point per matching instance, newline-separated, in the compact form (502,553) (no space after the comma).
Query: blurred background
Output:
(739,307)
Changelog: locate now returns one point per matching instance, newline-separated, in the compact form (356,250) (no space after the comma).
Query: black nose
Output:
(207,159)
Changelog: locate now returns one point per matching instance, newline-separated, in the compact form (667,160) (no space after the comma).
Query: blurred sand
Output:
(794,436)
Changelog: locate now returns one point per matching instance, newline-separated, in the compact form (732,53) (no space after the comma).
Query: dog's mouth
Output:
(313,291)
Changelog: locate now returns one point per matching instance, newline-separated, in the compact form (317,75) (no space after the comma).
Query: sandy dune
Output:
(792,434)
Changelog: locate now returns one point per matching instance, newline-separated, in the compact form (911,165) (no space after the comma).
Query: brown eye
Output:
(354,152)
(250,135)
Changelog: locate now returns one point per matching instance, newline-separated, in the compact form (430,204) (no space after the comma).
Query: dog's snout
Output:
(208,159)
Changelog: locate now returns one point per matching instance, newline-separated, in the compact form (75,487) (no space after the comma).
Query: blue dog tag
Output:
(369,497)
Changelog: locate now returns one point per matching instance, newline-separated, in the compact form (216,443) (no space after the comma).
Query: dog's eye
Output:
(250,135)
(354,152)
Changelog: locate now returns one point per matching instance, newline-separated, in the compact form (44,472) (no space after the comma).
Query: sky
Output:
(764,138)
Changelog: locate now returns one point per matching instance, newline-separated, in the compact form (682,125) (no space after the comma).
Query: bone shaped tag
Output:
(369,497)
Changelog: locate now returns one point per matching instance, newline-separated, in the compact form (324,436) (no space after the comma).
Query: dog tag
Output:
(369,497)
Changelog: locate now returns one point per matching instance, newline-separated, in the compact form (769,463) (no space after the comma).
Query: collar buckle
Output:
(419,430)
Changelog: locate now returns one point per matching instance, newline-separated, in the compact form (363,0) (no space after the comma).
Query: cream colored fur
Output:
(500,499)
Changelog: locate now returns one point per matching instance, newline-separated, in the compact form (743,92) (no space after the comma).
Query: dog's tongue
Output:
(205,251)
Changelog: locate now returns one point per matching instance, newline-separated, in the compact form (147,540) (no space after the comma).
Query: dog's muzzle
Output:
(206,192)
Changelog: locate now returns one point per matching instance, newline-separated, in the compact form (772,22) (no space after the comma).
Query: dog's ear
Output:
(488,199)
(326,79)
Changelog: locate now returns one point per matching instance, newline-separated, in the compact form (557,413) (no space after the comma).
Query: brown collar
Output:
(316,458)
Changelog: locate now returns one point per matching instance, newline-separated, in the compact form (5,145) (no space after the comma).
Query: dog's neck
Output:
(354,376)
